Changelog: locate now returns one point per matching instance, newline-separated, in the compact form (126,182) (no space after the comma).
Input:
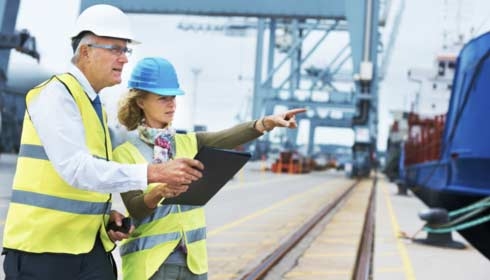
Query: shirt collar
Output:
(78,74)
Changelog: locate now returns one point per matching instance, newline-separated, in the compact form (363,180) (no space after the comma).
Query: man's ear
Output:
(83,50)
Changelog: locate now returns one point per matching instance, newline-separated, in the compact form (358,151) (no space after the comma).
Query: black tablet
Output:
(220,165)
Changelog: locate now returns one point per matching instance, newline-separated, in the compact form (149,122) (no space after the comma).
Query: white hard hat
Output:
(105,21)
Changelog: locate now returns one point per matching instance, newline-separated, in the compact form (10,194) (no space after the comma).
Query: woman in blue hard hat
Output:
(169,241)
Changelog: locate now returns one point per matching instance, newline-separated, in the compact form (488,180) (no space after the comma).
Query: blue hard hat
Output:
(155,75)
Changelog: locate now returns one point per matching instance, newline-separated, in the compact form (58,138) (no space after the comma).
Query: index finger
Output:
(289,114)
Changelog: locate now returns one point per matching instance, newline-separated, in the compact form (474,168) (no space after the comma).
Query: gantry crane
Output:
(289,24)
(11,106)
(359,18)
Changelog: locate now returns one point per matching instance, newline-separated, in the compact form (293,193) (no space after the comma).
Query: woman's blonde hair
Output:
(129,113)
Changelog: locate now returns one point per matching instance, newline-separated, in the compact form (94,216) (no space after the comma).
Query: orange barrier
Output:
(292,163)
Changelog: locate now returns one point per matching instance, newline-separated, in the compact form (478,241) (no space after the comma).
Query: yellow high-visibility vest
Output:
(156,236)
(46,214)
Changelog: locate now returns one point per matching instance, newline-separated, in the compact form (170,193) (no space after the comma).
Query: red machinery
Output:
(424,138)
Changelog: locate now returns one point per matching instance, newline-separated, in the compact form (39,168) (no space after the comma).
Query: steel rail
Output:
(363,267)
(270,261)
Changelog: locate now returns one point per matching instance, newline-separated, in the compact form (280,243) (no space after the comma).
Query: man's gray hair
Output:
(88,38)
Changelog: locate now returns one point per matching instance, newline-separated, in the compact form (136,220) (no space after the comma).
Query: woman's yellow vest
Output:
(156,236)
(46,214)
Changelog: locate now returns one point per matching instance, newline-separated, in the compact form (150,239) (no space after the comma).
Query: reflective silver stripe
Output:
(32,151)
(159,213)
(147,242)
(196,235)
(37,152)
(60,204)
(163,211)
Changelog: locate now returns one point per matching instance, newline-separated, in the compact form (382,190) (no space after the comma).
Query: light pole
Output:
(193,100)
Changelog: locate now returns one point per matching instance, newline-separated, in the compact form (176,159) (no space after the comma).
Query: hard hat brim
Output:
(162,92)
(129,40)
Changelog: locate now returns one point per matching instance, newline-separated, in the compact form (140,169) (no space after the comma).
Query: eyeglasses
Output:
(116,50)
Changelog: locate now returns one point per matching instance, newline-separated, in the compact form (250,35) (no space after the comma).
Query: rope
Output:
(456,224)
(459,227)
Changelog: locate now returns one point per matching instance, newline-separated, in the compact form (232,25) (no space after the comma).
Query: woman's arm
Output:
(141,204)
(229,138)
(134,202)
(242,133)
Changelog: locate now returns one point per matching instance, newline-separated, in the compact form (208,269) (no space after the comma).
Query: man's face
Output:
(105,61)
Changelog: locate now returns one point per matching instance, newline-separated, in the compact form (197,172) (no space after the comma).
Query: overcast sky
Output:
(222,59)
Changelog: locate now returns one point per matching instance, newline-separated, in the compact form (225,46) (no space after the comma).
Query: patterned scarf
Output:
(162,140)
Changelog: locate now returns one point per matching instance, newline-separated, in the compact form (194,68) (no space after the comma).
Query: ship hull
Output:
(446,159)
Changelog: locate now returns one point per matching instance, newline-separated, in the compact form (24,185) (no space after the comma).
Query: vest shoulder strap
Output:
(145,150)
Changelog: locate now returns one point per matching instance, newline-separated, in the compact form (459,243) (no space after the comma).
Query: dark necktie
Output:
(98,108)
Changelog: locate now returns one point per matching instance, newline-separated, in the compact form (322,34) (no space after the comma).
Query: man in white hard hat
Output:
(57,223)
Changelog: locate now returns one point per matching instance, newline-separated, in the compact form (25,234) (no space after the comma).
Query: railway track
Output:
(360,195)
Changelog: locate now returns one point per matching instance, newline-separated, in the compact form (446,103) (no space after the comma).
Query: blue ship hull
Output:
(461,175)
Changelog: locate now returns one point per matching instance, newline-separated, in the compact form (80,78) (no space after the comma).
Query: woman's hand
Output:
(117,217)
(153,197)
(286,119)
